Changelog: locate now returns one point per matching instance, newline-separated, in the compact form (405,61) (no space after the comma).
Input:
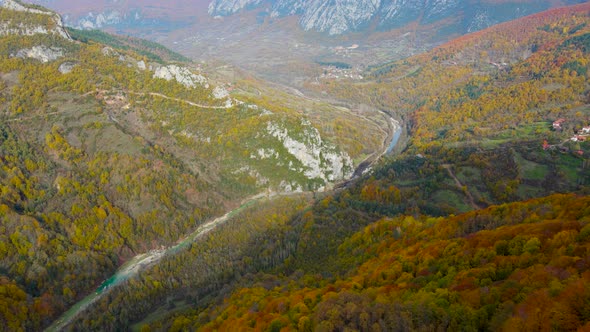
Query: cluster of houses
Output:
(335,73)
(581,136)
(560,147)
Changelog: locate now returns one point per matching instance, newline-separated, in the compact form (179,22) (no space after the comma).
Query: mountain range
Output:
(338,17)
(289,42)
(333,17)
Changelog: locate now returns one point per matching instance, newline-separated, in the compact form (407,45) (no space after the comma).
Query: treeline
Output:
(153,51)
(22,21)
(337,64)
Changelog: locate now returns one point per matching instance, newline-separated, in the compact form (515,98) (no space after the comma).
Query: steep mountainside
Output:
(28,20)
(269,38)
(279,40)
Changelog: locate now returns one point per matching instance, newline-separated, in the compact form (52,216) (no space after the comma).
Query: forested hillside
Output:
(489,87)
(481,107)
(458,231)
(521,266)
(108,151)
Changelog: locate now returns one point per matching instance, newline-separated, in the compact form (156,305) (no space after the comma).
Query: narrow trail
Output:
(153,94)
(461,187)
(30,117)
(188,102)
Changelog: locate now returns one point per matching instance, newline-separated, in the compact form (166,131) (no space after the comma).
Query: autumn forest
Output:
(479,220)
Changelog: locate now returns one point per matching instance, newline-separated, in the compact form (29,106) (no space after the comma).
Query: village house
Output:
(582,135)
(557,124)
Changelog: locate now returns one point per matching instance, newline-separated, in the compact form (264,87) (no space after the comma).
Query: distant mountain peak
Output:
(224,8)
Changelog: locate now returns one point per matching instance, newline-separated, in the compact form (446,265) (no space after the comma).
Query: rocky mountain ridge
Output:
(337,17)
(87,14)
(334,17)
(23,28)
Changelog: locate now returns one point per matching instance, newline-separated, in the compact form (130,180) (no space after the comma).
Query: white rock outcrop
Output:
(67,67)
(21,29)
(320,160)
(109,51)
(182,75)
(141,65)
(41,53)
(340,16)
(266,154)
(98,21)
(217,8)
(220,93)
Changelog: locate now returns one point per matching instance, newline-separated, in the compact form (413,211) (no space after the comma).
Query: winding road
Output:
(188,102)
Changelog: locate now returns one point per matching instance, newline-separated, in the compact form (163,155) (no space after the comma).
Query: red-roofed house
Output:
(557,124)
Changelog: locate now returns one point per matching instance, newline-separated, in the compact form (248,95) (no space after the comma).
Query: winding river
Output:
(142,261)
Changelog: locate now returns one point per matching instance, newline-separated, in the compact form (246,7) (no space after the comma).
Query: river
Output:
(397,134)
(142,261)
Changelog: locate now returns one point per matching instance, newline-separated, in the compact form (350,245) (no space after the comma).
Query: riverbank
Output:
(145,260)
